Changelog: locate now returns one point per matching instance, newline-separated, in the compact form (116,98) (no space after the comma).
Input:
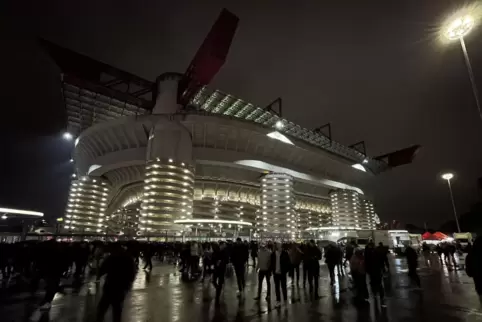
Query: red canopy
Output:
(426,235)
(435,236)
(439,236)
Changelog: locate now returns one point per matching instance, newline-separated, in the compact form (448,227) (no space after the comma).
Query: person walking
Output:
(331,259)
(207,259)
(264,271)
(426,254)
(473,265)
(383,252)
(119,270)
(220,261)
(238,259)
(349,249)
(439,251)
(412,262)
(81,258)
(374,266)
(195,253)
(50,267)
(339,265)
(280,263)
(147,257)
(254,252)
(295,258)
(358,274)
(313,257)
(304,259)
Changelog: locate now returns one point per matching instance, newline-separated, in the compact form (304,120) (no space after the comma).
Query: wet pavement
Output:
(162,296)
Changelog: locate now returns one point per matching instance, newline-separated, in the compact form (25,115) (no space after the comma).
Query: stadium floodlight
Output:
(67,136)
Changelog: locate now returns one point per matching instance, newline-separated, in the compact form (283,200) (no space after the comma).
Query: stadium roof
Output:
(95,92)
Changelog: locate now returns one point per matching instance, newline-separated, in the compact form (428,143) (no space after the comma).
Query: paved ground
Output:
(162,296)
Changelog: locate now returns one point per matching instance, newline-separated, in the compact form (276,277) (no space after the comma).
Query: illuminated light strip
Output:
(212,221)
(21,212)
(359,167)
(280,137)
(332,228)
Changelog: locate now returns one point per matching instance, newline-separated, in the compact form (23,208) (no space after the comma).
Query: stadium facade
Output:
(223,166)
(176,158)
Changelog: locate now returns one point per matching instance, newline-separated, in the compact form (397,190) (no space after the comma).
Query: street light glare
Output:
(67,136)
(279,125)
(447,176)
(459,27)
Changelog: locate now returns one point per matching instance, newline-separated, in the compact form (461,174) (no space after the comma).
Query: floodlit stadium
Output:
(175,157)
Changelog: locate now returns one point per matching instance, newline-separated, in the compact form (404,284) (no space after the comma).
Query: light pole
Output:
(457,29)
(448,177)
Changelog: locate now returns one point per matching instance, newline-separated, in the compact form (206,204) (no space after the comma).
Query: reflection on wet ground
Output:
(162,296)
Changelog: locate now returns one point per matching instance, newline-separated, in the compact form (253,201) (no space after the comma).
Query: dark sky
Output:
(374,69)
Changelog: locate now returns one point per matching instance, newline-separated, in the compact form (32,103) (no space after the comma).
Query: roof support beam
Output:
(324,130)
(141,92)
(279,103)
(360,147)
(114,82)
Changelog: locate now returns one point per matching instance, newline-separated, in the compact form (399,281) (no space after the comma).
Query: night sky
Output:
(375,69)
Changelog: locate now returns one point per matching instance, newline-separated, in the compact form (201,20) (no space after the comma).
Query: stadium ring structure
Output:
(216,167)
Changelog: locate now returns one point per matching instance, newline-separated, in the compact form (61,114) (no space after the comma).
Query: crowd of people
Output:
(53,261)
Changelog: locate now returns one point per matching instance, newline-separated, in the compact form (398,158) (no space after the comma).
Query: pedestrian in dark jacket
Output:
(358,273)
(295,257)
(331,259)
(312,260)
(412,263)
(254,252)
(374,265)
(147,257)
(473,264)
(280,266)
(238,258)
(350,248)
(119,271)
(50,266)
(220,261)
(382,251)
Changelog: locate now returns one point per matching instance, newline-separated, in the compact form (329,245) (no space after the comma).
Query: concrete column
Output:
(346,210)
(168,195)
(166,95)
(86,205)
(278,217)
(368,220)
(169,178)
